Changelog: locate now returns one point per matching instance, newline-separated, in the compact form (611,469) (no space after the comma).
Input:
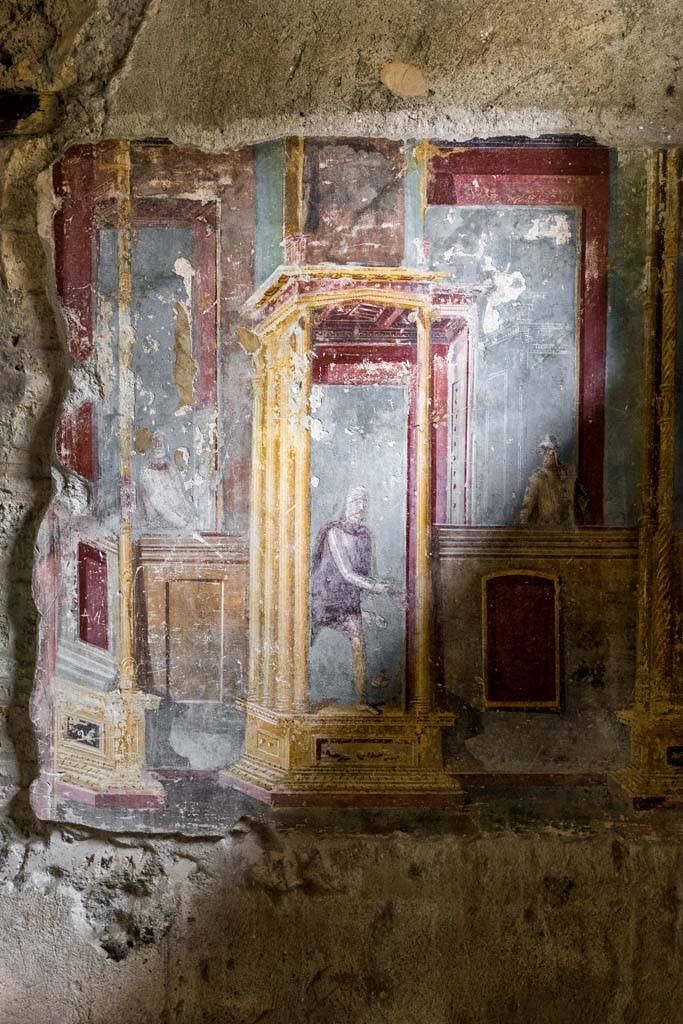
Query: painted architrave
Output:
(550,176)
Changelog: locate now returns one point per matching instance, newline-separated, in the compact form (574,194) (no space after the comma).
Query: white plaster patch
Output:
(149,344)
(316,399)
(506,286)
(71,492)
(300,363)
(318,432)
(85,386)
(104,347)
(184,269)
(145,396)
(555,226)
(455,252)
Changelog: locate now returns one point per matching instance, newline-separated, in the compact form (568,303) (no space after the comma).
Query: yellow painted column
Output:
(664,536)
(294,196)
(269,575)
(302,515)
(257,539)
(285,612)
(421,697)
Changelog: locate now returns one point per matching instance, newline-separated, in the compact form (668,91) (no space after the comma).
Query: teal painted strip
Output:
(414,225)
(269,165)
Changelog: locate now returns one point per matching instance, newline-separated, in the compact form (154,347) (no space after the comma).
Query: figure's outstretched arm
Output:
(341,561)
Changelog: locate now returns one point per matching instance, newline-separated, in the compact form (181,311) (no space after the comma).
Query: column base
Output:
(655,774)
(329,788)
(345,757)
(99,747)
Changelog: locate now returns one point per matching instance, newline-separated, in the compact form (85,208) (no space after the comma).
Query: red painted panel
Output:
(73,228)
(521,640)
(354,208)
(508,160)
(439,435)
(93,598)
(75,441)
(537,176)
(83,180)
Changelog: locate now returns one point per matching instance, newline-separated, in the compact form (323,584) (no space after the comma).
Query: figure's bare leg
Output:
(358,665)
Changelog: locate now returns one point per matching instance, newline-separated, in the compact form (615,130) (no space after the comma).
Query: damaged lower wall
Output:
(285,925)
(544,905)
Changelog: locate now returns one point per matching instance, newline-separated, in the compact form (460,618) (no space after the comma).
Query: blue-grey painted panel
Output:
(359,438)
(524,366)
(174,483)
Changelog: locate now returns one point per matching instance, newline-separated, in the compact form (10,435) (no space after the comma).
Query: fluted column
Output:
(269,512)
(257,539)
(285,612)
(302,514)
(422,689)
(664,537)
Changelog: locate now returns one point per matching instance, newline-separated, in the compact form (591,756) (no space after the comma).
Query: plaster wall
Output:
(546,905)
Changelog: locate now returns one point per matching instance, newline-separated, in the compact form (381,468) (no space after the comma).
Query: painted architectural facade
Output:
(346,501)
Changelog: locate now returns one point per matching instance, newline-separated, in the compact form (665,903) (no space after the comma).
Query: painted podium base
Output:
(153,796)
(655,775)
(345,757)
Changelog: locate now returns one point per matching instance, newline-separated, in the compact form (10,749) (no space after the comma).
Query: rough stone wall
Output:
(534,906)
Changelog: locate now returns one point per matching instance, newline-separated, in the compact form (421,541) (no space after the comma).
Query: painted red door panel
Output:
(93,598)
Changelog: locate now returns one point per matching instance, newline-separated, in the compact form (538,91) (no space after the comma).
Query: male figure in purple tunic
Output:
(341,570)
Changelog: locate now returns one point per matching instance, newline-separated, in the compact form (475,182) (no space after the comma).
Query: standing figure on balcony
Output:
(554,495)
(341,571)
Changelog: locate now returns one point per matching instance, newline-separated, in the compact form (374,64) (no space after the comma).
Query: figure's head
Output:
(549,450)
(158,443)
(356,504)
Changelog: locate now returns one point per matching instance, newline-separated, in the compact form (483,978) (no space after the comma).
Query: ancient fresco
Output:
(333,403)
